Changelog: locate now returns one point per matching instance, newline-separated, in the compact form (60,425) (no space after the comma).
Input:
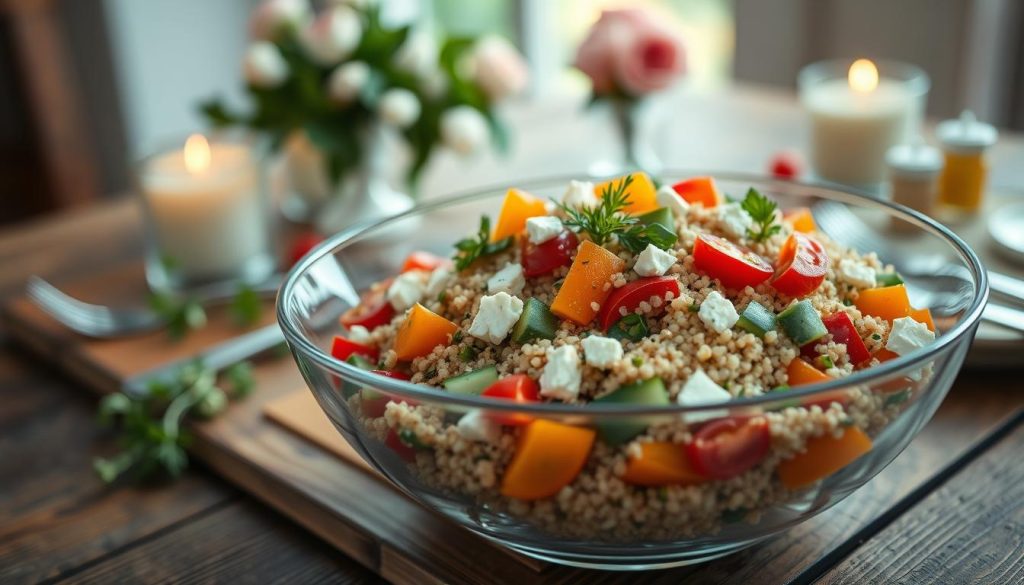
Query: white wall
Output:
(168,56)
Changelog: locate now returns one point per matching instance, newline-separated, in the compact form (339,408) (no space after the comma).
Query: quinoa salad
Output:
(626,293)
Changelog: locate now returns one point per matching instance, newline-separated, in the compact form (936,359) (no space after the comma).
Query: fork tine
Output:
(77,315)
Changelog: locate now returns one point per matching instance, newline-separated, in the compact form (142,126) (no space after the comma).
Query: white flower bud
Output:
(498,68)
(264,66)
(333,35)
(464,129)
(417,55)
(435,85)
(346,81)
(399,107)
(271,15)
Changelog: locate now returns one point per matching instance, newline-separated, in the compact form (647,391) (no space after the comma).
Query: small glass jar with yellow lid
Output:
(964,142)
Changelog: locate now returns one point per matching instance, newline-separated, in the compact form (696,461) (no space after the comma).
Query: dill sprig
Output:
(605,219)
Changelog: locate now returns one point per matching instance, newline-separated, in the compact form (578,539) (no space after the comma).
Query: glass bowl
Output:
(599,521)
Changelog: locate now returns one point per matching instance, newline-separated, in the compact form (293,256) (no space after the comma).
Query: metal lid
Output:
(966,133)
(917,159)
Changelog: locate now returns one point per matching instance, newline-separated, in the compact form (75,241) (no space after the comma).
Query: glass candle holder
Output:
(206,213)
(859,110)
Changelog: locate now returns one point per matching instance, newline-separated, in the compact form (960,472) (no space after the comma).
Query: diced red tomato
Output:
(734,265)
(373,309)
(630,296)
(726,448)
(342,348)
(540,259)
(786,165)
(395,443)
(699,190)
(841,327)
(372,403)
(802,265)
(420,260)
(302,245)
(520,388)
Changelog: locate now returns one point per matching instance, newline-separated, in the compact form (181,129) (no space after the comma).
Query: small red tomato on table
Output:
(786,164)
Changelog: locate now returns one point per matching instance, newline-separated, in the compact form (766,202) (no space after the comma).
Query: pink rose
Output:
(631,51)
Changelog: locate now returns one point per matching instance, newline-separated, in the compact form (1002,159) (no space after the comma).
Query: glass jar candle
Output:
(964,141)
(859,110)
(206,213)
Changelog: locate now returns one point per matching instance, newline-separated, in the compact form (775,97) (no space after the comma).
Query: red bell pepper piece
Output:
(520,388)
(343,348)
(841,327)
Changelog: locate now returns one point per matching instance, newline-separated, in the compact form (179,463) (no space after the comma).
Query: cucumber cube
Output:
(802,323)
(650,392)
(885,279)
(536,322)
(661,215)
(756,319)
(473,382)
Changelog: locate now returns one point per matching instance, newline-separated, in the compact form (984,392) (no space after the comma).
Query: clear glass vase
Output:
(632,120)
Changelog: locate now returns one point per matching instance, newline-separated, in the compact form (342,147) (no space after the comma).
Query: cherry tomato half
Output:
(735,266)
(342,348)
(802,265)
(539,259)
(520,388)
(630,296)
(728,447)
(420,260)
(373,309)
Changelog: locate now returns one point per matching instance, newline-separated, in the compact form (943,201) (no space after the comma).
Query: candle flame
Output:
(197,154)
(863,76)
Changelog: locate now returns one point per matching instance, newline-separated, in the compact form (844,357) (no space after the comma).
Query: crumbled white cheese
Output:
(437,282)
(717,312)
(509,279)
(698,390)
(476,426)
(734,220)
(407,289)
(359,334)
(561,377)
(653,261)
(543,228)
(856,273)
(667,197)
(601,352)
(580,194)
(907,335)
(496,316)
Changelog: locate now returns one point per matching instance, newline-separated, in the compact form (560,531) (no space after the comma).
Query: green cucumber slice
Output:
(473,382)
(536,322)
(632,327)
(360,362)
(756,319)
(802,323)
(885,279)
(651,391)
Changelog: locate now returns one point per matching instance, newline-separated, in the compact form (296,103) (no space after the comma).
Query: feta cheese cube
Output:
(407,289)
(561,377)
(734,220)
(359,334)
(437,282)
(543,228)
(495,317)
(653,261)
(717,312)
(699,390)
(667,197)
(509,279)
(856,273)
(475,426)
(907,335)
(601,352)
(580,194)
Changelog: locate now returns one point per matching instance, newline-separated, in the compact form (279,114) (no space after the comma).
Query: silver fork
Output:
(104,321)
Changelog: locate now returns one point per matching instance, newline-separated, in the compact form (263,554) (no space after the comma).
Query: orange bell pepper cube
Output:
(421,332)
(801,373)
(515,210)
(700,190)
(801,220)
(823,457)
(661,463)
(641,194)
(584,284)
(549,457)
(883,355)
(890,302)
(923,316)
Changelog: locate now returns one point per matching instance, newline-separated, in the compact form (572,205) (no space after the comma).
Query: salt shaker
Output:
(964,143)
(914,176)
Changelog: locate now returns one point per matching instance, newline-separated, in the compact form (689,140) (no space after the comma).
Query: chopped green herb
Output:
(431,373)
(888,279)
(876,336)
(246,307)
(663,494)
(632,327)
(694,307)
(897,398)
(762,211)
(410,439)
(181,315)
(457,336)
(638,361)
(442,296)
(469,250)
(847,302)
(824,362)
(467,354)
(241,379)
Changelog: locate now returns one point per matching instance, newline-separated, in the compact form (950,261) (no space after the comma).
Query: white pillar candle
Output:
(855,119)
(206,210)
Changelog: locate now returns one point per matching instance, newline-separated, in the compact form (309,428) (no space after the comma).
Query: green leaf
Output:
(240,379)
(217,115)
(246,307)
(181,315)
(762,210)
(472,249)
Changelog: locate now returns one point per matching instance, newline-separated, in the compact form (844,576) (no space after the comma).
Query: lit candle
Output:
(857,115)
(207,214)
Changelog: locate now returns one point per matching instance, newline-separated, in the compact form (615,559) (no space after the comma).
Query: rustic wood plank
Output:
(971,530)
(240,542)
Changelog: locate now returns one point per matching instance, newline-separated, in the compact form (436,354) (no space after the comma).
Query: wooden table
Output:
(952,505)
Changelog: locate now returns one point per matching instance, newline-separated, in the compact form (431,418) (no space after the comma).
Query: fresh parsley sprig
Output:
(181,314)
(469,250)
(151,434)
(762,210)
(609,218)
